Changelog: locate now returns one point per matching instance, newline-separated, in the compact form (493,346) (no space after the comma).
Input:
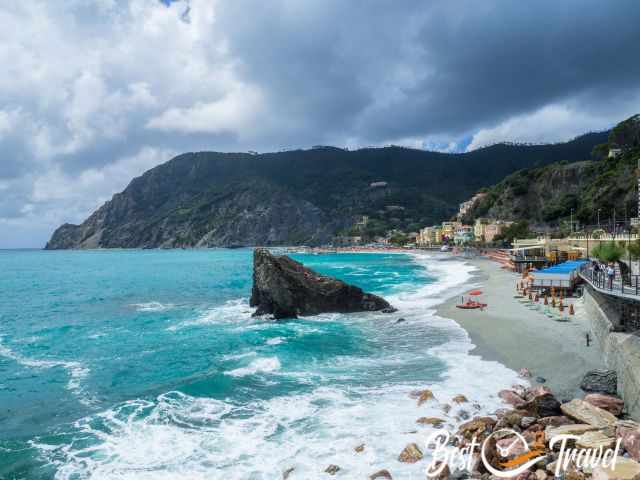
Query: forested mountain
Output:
(546,196)
(301,196)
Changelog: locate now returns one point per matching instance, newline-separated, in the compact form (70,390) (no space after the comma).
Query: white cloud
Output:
(234,112)
(555,123)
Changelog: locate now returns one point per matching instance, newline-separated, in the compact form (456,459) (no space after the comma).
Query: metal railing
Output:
(601,280)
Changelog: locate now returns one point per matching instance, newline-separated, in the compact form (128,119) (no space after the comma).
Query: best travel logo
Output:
(505,453)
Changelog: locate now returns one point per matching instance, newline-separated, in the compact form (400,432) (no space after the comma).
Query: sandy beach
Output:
(517,337)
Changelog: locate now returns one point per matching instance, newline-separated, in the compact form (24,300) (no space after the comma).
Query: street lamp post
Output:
(571,226)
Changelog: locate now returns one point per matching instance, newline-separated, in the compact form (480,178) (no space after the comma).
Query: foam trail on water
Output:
(232,311)
(260,365)
(180,436)
(152,306)
(76,371)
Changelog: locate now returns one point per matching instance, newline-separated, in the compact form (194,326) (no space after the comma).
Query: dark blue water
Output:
(148,364)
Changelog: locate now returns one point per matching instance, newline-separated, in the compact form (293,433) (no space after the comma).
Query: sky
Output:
(95,92)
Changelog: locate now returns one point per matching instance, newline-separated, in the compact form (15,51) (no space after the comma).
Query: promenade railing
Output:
(599,279)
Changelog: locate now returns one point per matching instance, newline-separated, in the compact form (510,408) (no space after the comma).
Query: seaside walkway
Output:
(600,282)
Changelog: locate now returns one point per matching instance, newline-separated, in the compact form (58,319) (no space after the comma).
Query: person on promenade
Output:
(611,273)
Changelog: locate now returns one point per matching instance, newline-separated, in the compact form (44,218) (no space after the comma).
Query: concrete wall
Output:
(621,351)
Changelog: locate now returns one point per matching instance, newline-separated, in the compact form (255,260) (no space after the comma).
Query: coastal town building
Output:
(479,228)
(429,236)
(362,222)
(465,207)
(464,234)
(449,230)
(493,229)
(614,152)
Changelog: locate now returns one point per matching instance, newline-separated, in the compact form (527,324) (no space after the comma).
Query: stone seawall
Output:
(621,351)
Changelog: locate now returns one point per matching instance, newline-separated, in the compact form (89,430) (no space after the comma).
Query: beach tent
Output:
(563,275)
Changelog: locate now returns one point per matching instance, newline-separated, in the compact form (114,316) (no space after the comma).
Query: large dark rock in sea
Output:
(286,288)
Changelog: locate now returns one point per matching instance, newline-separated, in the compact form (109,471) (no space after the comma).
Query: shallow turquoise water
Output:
(147,364)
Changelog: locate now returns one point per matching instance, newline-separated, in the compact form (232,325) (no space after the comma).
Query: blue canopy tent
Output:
(564,275)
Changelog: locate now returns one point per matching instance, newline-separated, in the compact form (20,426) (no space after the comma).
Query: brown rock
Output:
(538,391)
(443,475)
(359,448)
(586,413)
(410,454)
(573,474)
(541,474)
(541,405)
(459,399)
(524,373)
(630,434)
(555,421)
(516,449)
(611,404)
(332,469)
(422,395)
(523,476)
(574,429)
(479,426)
(435,421)
(511,397)
(595,439)
(381,474)
(625,469)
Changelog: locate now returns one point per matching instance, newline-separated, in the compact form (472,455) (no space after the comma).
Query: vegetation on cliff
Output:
(301,196)
(588,191)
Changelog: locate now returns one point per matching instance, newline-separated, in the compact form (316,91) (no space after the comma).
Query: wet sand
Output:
(512,334)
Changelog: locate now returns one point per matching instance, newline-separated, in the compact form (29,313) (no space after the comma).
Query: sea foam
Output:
(180,436)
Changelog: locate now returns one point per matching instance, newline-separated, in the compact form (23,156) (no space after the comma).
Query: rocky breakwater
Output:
(595,425)
(523,440)
(285,288)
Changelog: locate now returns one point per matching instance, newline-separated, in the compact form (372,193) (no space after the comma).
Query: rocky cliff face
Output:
(299,197)
(285,288)
(248,213)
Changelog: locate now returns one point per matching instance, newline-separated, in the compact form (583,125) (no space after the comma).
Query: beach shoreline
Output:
(517,337)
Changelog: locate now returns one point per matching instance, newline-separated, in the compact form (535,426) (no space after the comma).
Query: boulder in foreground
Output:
(286,288)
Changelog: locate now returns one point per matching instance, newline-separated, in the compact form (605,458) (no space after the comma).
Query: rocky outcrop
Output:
(600,381)
(609,403)
(410,454)
(213,199)
(285,288)
(586,413)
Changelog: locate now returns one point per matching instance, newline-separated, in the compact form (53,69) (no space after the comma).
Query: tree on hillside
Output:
(608,252)
(612,252)
(515,230)
(634,251)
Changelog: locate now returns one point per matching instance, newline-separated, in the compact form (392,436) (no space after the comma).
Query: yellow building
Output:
(449,229)
(479,229)
(429,236)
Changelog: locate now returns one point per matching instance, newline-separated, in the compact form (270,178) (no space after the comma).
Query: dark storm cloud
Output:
(95,92)
(382,70)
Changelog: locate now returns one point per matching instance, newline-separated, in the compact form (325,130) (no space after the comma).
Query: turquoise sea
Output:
(148,365)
